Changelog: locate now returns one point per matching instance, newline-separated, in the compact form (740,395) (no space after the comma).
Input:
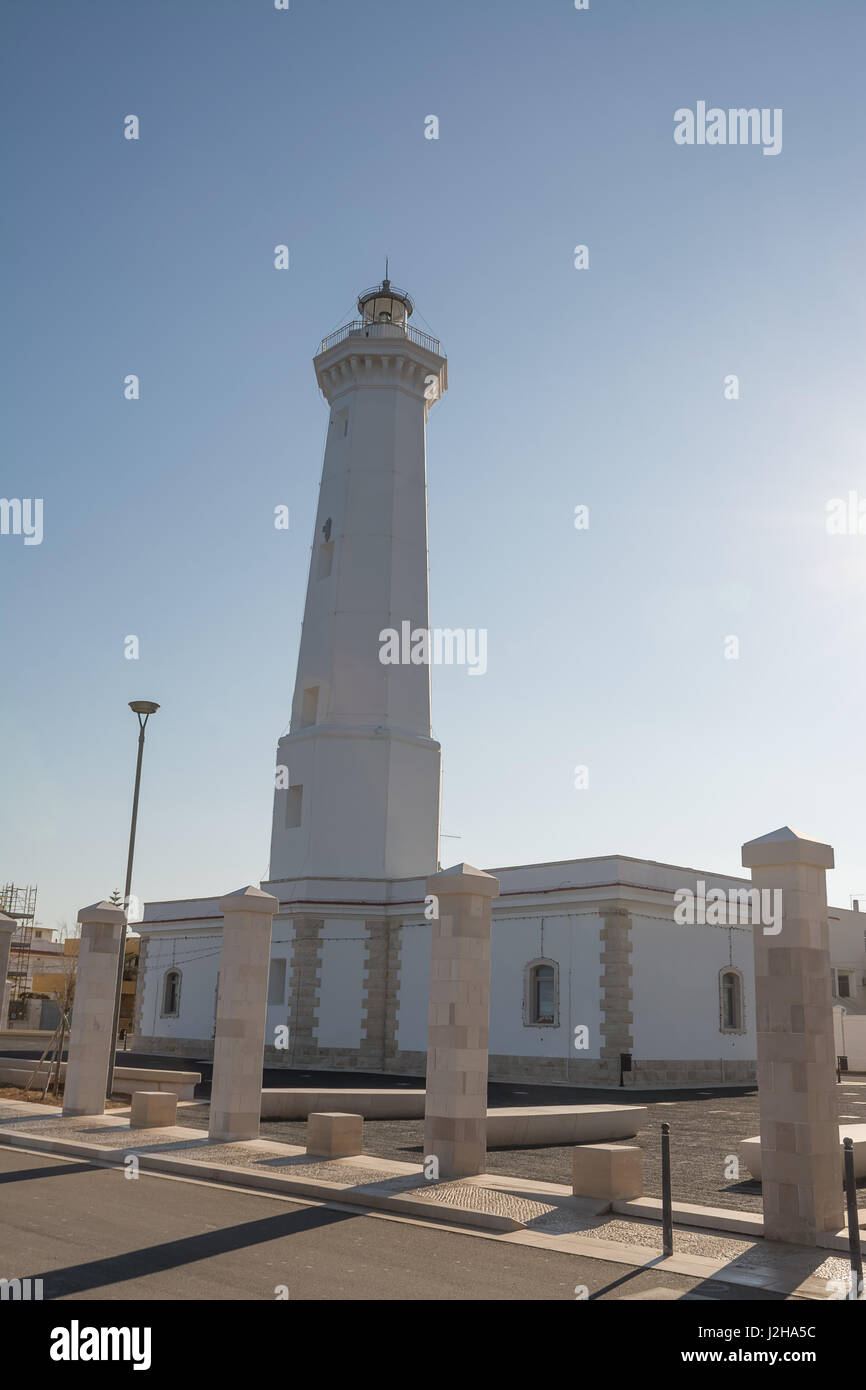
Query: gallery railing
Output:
(362,328)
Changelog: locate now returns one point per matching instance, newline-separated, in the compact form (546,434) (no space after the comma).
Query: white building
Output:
(588,961)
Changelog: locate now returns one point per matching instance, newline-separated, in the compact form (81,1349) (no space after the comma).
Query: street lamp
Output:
(144,709)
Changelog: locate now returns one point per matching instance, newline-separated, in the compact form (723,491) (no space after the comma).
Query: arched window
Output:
(541,994)
(171,994)
(731,1001)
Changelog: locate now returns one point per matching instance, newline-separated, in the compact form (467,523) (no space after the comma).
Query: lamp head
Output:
(143,706)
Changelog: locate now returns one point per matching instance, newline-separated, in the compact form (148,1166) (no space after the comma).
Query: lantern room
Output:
(385,304)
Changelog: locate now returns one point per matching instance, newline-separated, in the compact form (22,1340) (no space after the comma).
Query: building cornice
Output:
(396,362)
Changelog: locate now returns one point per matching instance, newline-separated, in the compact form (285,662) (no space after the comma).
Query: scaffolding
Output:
(19,903)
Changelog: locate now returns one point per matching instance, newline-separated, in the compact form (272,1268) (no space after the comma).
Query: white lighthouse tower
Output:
(359,794)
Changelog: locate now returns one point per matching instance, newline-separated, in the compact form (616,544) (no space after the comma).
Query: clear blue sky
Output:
(602,387)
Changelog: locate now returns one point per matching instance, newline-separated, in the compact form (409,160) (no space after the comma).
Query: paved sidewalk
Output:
(495,1205)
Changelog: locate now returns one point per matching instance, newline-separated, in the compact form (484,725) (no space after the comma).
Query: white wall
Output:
(197,957)
(848,953)
(574,943)
(851,1038)
(675,983)
(413,1007)
(282,947)
(342,979)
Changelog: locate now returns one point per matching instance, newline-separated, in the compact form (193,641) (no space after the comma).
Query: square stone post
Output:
(455,1110)
(801,1163)
(239,1039)
(91,1034)
(8,928)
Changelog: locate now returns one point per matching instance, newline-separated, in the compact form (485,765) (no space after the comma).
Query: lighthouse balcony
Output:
(364,328)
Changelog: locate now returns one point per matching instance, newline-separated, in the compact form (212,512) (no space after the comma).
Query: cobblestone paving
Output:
(299,1166)
(746,1254)
(100,1136)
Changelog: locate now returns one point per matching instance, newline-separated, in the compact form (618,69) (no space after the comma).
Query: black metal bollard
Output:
(667,1213)
(853,1221)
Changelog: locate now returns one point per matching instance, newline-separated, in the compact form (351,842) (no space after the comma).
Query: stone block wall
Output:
(616,992)
(381,995)
(305,967)
(543,1071)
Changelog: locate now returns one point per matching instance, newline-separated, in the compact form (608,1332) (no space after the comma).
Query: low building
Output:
(588,964)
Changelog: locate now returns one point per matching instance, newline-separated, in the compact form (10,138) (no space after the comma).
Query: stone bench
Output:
(17,1071)
(507,1126)
(750,1150)
(529,1126)
(297,1103)
(612,1171)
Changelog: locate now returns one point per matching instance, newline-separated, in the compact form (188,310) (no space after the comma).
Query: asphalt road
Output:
(91,1233)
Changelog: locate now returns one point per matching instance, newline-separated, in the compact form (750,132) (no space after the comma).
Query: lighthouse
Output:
(358,775)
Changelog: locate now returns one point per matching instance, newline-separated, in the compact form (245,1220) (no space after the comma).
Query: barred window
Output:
(171,993)
(541,993)
(731,1001)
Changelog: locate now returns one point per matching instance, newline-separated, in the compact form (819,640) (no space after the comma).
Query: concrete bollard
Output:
(333,1134)
(152,1109)
(607,1170)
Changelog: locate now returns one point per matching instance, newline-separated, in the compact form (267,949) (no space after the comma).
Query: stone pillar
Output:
(8,928)
(455,1112)
(91,1035)
(239,1039)
(801,1165)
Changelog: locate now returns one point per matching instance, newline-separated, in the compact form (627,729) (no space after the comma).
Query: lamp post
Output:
(144,709)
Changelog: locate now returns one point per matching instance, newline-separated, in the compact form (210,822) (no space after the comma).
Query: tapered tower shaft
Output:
(361,786)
